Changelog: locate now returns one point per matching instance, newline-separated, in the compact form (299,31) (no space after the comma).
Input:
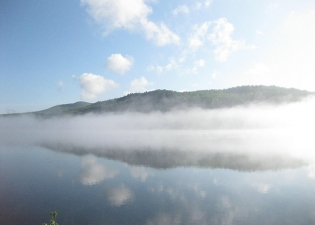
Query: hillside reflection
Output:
(172,158)
(97,186)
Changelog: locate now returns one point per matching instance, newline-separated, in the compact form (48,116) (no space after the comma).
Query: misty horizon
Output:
(255,129)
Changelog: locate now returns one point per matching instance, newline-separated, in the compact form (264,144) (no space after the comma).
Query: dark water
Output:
(145,187)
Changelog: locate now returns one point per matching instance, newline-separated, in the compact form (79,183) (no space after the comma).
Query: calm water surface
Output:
(132,189)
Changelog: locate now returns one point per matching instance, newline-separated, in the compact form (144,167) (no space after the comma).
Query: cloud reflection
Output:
(262,188)
(119,196)
(93,172)
(139,173)
(165,219)
(311,172)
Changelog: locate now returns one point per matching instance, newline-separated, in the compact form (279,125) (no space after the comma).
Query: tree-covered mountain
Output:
(165,100)
(62,109)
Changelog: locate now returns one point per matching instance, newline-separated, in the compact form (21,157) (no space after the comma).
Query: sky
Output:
(56,52)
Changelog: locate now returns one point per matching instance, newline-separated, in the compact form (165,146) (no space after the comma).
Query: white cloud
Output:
(130,15)
(259,32)
(179,65)
(93,85)
(207,3)
(115,14)
(197,39)
(159,69)
(161,35)
(181,9)
(221,39)
(119,63)
(156,69)
(139,85)
(272,6)
(119,196)
(215,75)
(200,63)
(197,65)
(198,6)
(195,42)
(171,65)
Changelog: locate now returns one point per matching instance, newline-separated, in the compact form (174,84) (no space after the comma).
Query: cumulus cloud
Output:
(195,42)
(139,85)
(215,35)
(115,14)
(200,63)
(181,9)
(197,39)
(259,32)
(130,15)
(161,35)
(205,4)
(221,39)
(119,63)
(93,85)
(172,64)
(197,64)
(272,6)
(215,74)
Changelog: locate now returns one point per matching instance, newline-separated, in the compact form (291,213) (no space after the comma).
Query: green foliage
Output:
(165,100)
(52,221)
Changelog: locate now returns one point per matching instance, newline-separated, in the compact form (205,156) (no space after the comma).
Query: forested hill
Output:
(164,100)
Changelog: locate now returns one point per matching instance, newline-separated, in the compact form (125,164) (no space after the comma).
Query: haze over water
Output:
(255,129)
(252,164)
(244,165)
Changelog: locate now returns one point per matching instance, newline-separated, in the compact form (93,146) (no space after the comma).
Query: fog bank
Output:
(256,129)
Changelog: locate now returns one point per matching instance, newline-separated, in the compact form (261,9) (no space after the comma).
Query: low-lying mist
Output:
(256,130)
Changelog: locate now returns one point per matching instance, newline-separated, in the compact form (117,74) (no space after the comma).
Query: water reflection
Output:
(98,190)
(119,196)
(172,158)
(166,219)
(139,173)
(262,187)
(311,171)
(93,172)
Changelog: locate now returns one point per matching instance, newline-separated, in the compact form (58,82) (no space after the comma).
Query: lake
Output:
(164,177)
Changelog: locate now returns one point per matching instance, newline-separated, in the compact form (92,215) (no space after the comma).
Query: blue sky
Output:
(56,52)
